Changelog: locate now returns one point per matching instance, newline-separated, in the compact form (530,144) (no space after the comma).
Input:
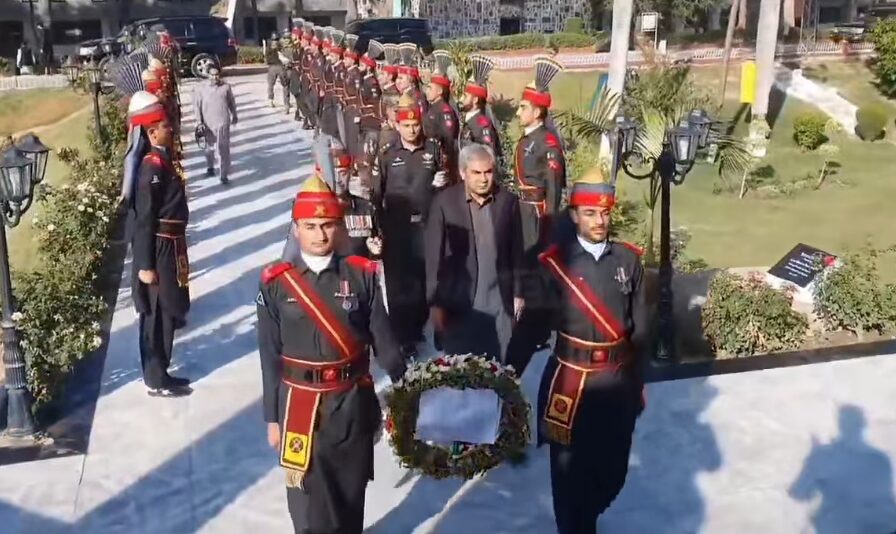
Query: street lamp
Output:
(22,166)
(671,166)
(95,82)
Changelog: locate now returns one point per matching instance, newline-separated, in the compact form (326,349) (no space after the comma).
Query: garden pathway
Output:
(780,451)
(826,98)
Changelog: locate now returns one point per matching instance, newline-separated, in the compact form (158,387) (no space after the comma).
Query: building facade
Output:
(468,18)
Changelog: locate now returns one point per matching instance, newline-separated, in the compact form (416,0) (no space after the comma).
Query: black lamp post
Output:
(22,166)
(95,82)
(674,162)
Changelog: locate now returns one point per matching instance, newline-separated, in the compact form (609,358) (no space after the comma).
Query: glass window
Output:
(210,28)
(178,28)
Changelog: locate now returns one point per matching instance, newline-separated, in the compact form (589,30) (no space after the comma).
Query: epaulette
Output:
(274,270)
(446,107)
(551,140)
(154,159)
(631,246)
(484,121)
(550,252)
(364,264)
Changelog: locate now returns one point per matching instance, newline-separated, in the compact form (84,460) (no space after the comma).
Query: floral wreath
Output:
(462,460)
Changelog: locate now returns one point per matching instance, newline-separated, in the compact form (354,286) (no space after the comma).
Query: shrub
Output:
(808,130)
(571,40)
(746,316)
(884,39)
(5,65)
(574,25)
(679,239)
(250,55)
(852,296)
(61,308)
(871,120)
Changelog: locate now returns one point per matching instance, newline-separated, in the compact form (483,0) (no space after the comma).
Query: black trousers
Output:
(531,331)
(156,344)
(405,270)
(583,485)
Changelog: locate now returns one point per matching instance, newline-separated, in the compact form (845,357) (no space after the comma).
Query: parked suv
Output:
(392,30)
(204,41)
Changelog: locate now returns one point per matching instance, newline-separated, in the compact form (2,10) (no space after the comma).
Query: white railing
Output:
(588,60)
(32,82)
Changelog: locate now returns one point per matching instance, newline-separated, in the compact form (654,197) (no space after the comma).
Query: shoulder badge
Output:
(551,140)
(274,270)
(484,122)
(364,264)
(633,247)
(154,159)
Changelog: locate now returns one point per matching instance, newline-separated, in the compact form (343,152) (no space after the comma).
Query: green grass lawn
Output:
(71,133)
(32,108)
(852,79)
(754,231)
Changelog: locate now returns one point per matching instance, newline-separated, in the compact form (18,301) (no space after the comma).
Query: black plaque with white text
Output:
(801,265)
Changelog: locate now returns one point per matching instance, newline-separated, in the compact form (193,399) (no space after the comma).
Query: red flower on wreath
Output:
(829,260)
(389,424)
(441,362)
(493,368)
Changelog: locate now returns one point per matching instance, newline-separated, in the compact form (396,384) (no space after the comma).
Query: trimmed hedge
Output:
(871,121)
(525,41)
(247,55)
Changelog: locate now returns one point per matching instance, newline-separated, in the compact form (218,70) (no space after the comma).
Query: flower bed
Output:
(61,300)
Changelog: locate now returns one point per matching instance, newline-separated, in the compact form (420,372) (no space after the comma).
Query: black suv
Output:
(392,30)
(204,41)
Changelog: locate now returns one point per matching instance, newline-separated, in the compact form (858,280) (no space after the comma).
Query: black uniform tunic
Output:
(588,473)
(403,187)
(352,111)
(342,454)
(440,123)
(369,127)
(478,128)
(309,87)
(160,196)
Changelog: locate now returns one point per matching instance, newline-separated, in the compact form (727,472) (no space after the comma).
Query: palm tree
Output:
(766,43)
(738,11)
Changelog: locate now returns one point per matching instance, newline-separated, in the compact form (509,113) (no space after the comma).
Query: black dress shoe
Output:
(225,180)
(170,391)
(209,172)
(177,381)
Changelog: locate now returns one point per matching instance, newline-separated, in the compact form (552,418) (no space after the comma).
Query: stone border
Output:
(659,372)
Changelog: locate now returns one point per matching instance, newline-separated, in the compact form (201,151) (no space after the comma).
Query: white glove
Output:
(357,120)
(375,245)
(440,179)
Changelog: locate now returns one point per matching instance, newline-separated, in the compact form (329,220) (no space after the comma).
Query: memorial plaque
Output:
(801,265)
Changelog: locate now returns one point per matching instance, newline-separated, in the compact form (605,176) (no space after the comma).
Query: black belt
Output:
(584,353)
(172,228)
(298,372)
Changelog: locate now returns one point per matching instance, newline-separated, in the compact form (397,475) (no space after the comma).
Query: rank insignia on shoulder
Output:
(259,299)
(156,179)
(364,264)
(272,271)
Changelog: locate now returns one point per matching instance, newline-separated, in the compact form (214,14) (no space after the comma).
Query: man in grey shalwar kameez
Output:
(474,257)
(215,107)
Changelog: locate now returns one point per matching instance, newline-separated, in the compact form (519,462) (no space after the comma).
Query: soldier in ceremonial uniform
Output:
(340,71)
(360,215)
(371,117)
(328,121)
(408,80)
(478,124)
(405,178)
(591,389)
(351,97)
(318,315)
(161,270)
(311,77)
(440,121)
(540,169)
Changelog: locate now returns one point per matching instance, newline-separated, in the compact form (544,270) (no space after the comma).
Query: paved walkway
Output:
(782,451)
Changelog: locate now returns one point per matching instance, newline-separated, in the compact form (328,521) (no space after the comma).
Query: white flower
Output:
(105,219)
(16,316)
(96,342)
(51,227)
(95,325)
(81,207)
(89,210)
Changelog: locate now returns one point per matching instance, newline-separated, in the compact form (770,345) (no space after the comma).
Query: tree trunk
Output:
(622,24)
(741,15)
(766,42)
(714,18)
(729,40)
(852,12)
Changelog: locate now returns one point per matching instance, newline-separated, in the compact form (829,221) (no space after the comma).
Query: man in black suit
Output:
(474,255)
